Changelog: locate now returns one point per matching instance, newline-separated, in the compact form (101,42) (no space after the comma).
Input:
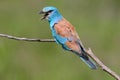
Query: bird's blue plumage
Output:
(54,18)
(65,35)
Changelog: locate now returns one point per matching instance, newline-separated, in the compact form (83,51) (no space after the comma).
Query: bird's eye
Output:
(50,11)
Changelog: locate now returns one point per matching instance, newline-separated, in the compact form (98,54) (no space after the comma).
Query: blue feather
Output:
(90,63)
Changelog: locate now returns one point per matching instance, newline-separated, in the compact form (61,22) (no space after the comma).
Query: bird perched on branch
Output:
(65,34)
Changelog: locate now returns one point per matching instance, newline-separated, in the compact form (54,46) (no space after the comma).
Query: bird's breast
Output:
(59,39)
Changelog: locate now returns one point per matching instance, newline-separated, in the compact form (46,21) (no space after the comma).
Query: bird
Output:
(65,34)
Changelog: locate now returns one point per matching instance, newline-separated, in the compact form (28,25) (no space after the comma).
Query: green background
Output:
(97,23)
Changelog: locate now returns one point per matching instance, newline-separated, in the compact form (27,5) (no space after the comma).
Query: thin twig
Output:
(102,66)
(26,39)
(89,52)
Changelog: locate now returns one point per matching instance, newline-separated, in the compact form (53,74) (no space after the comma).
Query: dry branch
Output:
(26,39)
(89,52)
(102,66)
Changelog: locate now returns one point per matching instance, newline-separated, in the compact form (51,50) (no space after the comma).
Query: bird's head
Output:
(50,13)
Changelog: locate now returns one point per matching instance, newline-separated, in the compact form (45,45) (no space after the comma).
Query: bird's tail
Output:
(89,62)
(84,57)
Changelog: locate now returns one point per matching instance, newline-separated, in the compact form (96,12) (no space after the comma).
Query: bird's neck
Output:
(54,19)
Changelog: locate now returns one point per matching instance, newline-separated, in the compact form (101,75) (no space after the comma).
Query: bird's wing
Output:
(65,29)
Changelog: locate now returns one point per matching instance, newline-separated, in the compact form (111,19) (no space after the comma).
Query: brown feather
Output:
(65,29)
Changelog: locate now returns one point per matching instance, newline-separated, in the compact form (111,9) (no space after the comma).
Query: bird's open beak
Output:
(41,12)
(44,16)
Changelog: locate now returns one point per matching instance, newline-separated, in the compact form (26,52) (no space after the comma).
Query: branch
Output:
(102,66)
(26,39)
(89,52)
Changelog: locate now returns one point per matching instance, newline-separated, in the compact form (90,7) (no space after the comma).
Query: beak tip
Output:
(41,12)
(42,18)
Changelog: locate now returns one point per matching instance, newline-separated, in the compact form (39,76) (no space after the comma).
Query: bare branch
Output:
(89,52)
(26,39)
(102,66)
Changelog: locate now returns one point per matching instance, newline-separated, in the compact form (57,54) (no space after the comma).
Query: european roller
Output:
(65,34)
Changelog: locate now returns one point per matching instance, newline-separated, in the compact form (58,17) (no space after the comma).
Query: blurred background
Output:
(97,23)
